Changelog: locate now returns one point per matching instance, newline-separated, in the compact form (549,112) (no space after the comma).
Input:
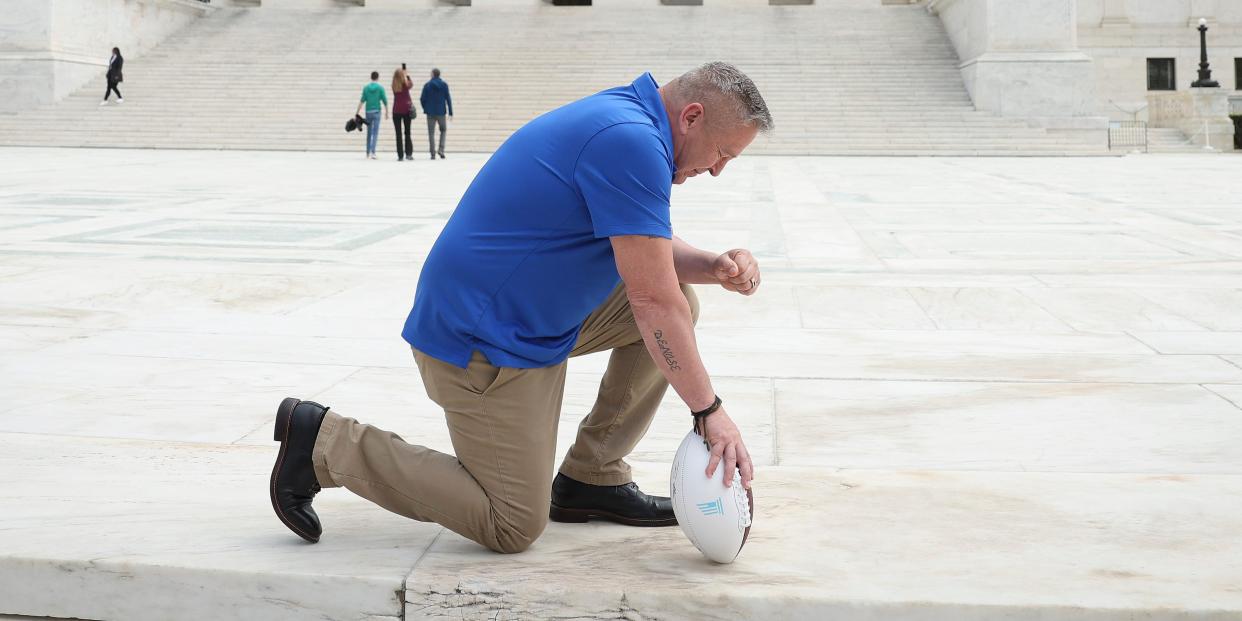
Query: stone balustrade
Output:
(1201,113)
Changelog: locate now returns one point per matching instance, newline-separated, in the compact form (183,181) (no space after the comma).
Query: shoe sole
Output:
(284,420)
(578,516)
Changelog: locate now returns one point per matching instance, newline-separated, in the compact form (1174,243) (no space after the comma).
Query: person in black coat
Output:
(114,77)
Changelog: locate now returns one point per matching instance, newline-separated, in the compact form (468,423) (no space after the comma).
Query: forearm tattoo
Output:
(669,358)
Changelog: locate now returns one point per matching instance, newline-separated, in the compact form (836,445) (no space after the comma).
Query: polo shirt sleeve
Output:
(625,178)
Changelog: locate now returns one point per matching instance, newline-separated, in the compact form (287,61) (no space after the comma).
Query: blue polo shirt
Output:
(525,257)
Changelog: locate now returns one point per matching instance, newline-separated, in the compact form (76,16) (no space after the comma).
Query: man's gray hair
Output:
(729,84)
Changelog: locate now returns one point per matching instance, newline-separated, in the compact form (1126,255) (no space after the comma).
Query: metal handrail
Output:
(1127,134)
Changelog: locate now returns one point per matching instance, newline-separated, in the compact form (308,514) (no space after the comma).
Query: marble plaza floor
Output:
(976,388)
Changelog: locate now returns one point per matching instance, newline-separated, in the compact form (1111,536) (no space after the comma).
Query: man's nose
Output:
(719,167)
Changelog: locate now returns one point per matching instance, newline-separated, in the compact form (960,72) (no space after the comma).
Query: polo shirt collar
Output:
(649,94)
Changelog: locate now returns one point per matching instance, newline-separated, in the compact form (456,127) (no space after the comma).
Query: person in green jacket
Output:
(373,96)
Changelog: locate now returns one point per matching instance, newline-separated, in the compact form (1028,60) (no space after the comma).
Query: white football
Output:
(716,518)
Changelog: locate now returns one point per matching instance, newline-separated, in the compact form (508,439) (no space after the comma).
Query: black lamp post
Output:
(1205,74)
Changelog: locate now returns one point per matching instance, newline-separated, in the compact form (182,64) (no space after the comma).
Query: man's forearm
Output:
(694,266)
(668,333)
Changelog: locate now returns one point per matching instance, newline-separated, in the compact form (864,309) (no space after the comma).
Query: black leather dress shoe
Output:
(294,484)
(573,501)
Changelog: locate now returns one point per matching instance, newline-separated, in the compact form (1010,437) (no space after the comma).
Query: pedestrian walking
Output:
(403,112)
(436,103)
(114,77)
(373,97)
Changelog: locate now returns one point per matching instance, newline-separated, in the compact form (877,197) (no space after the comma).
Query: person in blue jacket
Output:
(436,103)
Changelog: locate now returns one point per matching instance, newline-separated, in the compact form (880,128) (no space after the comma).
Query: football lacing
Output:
(743,502)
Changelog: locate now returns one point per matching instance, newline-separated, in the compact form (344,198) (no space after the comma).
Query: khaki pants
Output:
(502,421)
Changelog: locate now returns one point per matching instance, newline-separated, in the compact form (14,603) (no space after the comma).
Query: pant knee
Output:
(514,538)
(693,299)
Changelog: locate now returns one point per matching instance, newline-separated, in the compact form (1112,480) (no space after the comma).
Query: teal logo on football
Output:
(714,507)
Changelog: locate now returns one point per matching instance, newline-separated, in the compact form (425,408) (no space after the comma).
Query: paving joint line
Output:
(1223,397)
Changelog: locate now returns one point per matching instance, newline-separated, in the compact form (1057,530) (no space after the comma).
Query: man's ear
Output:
(691,115)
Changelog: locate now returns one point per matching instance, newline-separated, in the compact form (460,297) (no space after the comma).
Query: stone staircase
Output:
(1171,140)
(841,77)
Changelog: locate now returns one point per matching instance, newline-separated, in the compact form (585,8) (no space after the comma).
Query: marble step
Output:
(115,122)
(480,146)
(859,117)
(330,133)
(937,150)
(162,530)
(907,97)
(138,123)
(333,129)
(794,90)
(89,111)
(836,82)
(1169,140)
(802,111)
(482,143)
(896,151)
(908,103)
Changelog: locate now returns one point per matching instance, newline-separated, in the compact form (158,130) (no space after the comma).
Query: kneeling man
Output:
(561,246)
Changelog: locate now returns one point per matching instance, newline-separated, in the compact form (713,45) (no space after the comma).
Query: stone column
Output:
(27,63)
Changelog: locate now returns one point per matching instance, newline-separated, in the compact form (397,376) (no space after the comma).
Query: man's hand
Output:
(725,442)
(737,270)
